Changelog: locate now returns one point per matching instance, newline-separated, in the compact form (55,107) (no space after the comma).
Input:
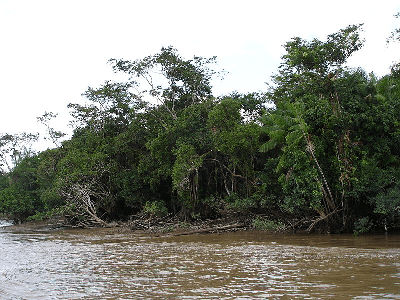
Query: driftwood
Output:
(210,229)
(321,218)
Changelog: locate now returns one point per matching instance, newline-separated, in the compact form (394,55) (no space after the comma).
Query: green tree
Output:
(235,145)
(126,138)
(52,134)
(312,128)
(395,35)
(336,131)
(21,197)
(182,82)
(19,192)
(13,148)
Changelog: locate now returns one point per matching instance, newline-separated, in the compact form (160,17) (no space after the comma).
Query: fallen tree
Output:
(210,229)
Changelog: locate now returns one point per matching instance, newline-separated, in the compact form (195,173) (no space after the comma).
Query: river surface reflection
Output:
(102,264)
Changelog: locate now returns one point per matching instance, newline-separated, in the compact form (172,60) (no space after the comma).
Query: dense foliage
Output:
(319,149)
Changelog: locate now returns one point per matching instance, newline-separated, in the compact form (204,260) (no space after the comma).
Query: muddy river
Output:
(102,264)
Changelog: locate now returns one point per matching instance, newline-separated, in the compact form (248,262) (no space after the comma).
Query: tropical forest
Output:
(317,151)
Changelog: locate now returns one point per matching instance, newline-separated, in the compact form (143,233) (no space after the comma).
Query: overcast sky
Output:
(51,51)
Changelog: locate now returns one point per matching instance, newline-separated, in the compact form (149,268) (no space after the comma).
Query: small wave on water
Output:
(5,223)
(103,264)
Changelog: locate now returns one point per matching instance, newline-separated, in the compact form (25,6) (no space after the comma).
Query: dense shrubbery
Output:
(326,152)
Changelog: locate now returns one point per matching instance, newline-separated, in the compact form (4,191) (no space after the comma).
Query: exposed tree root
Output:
(315,222)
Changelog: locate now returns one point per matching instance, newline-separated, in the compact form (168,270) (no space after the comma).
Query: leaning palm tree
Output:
(288,131)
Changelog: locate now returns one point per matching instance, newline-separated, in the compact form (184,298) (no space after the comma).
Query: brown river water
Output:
(102,264)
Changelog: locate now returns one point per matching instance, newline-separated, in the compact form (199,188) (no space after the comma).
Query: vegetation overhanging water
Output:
(317,151)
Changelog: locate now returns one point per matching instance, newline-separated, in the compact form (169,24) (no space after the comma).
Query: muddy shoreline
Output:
(152,227)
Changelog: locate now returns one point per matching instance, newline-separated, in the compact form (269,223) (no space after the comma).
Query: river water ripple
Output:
(99,264)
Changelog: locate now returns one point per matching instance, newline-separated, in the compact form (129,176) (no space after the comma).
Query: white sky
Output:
(51,51)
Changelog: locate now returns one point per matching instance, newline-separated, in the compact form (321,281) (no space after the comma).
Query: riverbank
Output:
(155,226)
(30,226)
(172,226)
